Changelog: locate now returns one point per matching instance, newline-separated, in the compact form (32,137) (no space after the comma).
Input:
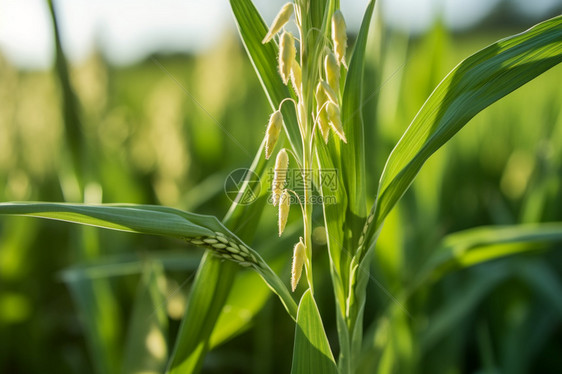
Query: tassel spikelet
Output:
(330,93)
(287,54)
(280,20)
(324,125)
(332,70)
(321,99)
(280,175)
(284,207)
(327,117)
(272,133)
(296,78)
(339,36)
(334,120)
(301,114)
(299,255)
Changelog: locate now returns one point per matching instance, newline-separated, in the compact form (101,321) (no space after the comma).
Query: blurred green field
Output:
(169,130)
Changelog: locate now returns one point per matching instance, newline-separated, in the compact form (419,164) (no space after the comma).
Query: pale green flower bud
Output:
(272,133)
(339,36)
(299,256)
(287,54)
(280,20)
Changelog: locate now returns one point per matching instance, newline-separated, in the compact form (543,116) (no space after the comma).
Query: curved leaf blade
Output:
(474,246)
(121,218)
(473,85)
(157,221)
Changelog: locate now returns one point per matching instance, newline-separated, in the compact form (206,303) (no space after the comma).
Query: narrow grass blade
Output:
(121,218)
(71,114)
(353,170)
(311,352)
(252,30)
(474,246)
(473,85)
(146,347)
(353,154)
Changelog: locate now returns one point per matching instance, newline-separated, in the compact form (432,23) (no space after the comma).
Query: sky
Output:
(130,30)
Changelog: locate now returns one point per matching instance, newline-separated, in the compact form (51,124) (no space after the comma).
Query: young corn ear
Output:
(280,175)
(299,256)
(339,36)
(280,20)
(334,120)
(272,133)
(284,207)
(332,70)
(287,54)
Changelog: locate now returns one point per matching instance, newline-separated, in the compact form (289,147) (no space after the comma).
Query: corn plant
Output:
(316,90)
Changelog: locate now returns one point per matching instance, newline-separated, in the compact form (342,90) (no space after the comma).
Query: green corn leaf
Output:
(478,245)
(129,218)
(149,220)
(353,165)
(252,30)
(473,85)
(311,352)
(353,154)
(73,126)
(146,348)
